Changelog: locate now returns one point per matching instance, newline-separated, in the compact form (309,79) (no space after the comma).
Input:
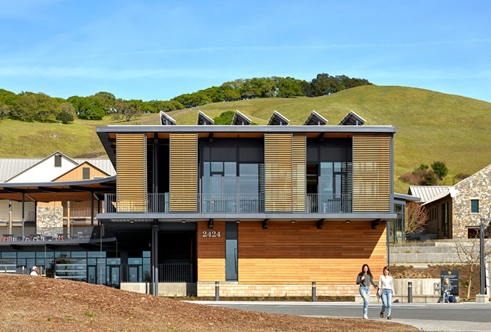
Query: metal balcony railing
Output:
(236,203)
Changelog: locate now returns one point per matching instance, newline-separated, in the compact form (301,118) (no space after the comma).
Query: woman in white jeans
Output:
(386,287)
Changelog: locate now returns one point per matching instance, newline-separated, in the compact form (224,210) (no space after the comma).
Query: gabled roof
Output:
(81,165)
(240,119)
(315,119)
(204,120)
(352,119)
(41,161)
(166,120)
(485,169)
(429,193)
(278,120)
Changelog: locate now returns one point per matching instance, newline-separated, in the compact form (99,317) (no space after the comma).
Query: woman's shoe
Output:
(365,316)
(381,314)
(389,318)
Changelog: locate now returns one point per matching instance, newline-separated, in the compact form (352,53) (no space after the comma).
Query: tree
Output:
(126,110)
(416,217)
(67,113)
(108,99)
(468,253)
(8,98)
(440,169)
(4,111)
(88,108)
(35,107)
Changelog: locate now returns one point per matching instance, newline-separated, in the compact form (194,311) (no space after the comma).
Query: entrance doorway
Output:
(177,257)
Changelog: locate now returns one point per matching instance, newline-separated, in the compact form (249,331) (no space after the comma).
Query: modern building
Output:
(264,210)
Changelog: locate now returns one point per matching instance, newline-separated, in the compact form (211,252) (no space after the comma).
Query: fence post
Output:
(409,292)
(313,291)
(217,291)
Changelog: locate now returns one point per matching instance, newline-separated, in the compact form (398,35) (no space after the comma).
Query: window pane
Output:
(474,205)
(217,167)
(231,260)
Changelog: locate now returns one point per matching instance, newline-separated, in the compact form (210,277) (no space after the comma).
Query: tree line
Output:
(29,106)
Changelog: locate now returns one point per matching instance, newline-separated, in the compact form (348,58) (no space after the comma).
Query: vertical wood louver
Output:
(183,172)
(278,172)
(131,163)
(299,172)
(371,173)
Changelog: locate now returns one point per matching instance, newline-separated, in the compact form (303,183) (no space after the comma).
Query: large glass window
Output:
(231,261)
(335,183)
(230,187)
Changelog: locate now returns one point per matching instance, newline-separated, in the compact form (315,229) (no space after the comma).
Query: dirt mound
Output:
(43,304)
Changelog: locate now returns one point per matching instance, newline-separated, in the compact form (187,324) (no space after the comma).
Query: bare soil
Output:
(30,303)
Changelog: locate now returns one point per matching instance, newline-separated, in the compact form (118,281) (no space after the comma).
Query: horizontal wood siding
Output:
(371,173)
(131,164)
(301,253)
(76,174)
(278,172)
(183,172)
(211,253)
(299,173)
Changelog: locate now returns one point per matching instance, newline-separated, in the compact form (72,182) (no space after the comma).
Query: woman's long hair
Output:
(363,272)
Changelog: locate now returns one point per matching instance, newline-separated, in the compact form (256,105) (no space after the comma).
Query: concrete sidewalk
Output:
(468,316)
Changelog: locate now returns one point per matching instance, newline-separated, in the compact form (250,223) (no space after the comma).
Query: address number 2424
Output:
(211,234)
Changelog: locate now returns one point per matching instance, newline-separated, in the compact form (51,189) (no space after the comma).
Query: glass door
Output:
(92,274)
(113,276)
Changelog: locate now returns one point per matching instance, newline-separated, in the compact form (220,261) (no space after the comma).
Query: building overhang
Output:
(197,217)
(57,191)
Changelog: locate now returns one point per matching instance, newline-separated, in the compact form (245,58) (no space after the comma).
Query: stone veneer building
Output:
(456,211)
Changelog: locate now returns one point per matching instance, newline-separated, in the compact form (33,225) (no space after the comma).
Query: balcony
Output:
(32,236)
(235,203)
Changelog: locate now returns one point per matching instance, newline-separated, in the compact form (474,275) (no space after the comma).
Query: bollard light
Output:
(313,291)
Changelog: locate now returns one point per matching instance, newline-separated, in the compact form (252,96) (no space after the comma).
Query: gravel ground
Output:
(30,303)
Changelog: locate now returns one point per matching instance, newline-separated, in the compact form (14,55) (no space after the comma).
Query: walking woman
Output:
(386,285)
(364,279)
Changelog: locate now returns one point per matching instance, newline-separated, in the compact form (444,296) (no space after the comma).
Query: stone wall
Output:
(477,186)
(49,221)
(234,289)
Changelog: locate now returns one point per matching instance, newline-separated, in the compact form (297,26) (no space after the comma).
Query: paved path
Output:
(424,316)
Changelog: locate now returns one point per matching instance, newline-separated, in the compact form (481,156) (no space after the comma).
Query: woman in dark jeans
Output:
(364,279)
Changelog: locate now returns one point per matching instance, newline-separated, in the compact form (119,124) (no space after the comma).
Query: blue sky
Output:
(160,49)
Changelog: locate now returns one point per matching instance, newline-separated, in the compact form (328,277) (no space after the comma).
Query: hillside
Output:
(44,304)
(431,126)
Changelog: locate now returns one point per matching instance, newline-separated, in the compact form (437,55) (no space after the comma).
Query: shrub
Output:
(440,169)
(461,176)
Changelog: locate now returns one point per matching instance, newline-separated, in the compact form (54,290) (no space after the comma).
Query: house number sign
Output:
(211,234)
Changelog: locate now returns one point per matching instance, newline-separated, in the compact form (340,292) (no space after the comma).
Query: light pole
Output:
(483,296)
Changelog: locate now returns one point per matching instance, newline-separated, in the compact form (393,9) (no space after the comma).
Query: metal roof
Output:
(352,119)
(240,119)
(278,120)
(166,120)
(204,120)
(315,119)
(406,197)
(10,167)
(429,193)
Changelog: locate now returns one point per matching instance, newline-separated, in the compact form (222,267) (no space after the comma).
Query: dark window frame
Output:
(474,206)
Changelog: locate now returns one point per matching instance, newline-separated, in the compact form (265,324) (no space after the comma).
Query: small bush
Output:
(440,169)
(89,314)
(461,176)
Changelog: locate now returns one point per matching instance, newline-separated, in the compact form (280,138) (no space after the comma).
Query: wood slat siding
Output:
(131,163)
(300,253)
(278,172)
(299,172)
(77,173)
(183,172)
(371,173)
(211,253)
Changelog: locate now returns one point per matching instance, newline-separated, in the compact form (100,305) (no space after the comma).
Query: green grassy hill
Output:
(431,126)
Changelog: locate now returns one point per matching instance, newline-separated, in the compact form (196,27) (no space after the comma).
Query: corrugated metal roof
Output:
(9,167)
(428,193)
